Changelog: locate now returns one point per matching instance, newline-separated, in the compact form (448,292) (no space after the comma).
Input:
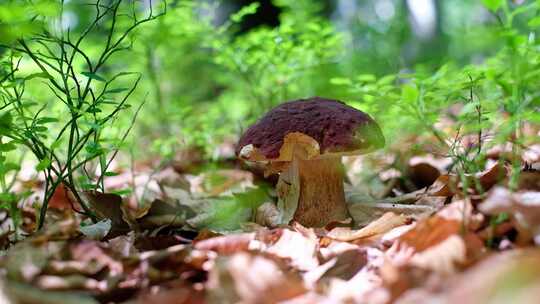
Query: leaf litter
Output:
(217,238)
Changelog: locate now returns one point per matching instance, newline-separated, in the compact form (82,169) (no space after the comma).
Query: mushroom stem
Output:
(321,199)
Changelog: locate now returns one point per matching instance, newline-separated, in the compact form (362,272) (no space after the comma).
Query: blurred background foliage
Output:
(209,68)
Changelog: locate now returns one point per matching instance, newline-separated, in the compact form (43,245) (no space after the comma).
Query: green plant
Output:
(80,95)
(275,64)
(489,102)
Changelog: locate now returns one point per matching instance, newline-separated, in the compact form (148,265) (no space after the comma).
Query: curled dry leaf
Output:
(450,184)
(364,209)
(380,226)
(424,170)
(491,176)
(108,206)
(444,185)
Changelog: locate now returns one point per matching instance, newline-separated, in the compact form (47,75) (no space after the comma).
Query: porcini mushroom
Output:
(304,140)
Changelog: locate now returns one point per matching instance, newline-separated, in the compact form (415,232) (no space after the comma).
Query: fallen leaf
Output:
(424,170)
(442,257)
(227,244)
(445,185)
(507,277)
(25,293)
(178,293)
(364,214)
(268,215)
(96,231)
(524,207)
(346,265)
(227,213)
(430,232)
(266,281)
(529,180)
(299,248)
(162,213)
(380,226)
(108,206)
(25,261)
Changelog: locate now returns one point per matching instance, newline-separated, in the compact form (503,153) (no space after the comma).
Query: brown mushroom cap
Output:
(331,126)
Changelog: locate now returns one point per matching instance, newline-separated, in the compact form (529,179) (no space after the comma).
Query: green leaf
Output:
(117,90)
(56,144)
(39,75)
(366,78)
(43,164)
(226,213)
(493,5)
(10,146)
(388,79)
(28,104)
(94,110)
(244,11)
(45,120)
(340,81)
(6,121)
(110,173)
(253,197)
(534,22)
(7,197)
(7,167)
(409,93)
(122,192)
(94,76)
(40,129)
(93,148)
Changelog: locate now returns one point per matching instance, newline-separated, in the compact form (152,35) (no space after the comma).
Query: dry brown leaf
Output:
(61,200)
(300,248)
(491,176)
(249,278)
(444,185)
(70,282)
(108,206)
(508,277)
(442,257)
(524,207)
(346,265)
(425,169)
(430,232)
(529,180)
(380,226)
(178,293)
(227,244)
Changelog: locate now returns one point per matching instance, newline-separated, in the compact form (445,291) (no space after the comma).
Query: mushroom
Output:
(304,140)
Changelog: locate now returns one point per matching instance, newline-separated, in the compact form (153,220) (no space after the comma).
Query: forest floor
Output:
(421,234)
